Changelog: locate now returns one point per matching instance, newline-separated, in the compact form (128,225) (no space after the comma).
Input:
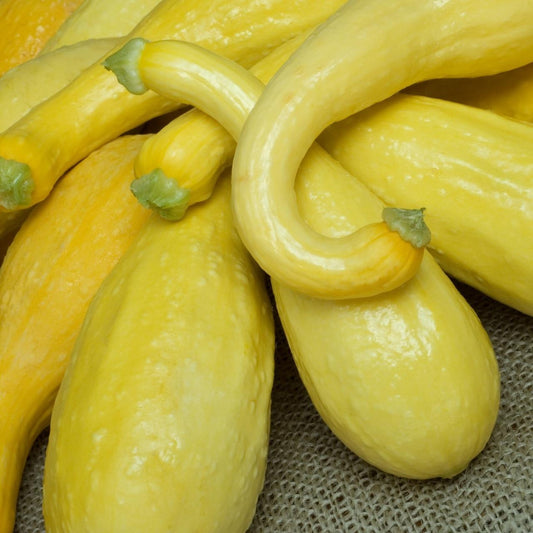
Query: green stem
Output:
(409,223)
(162,194)
(125,65)
(16,184)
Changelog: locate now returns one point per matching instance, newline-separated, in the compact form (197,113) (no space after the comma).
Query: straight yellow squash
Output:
(473,171)
(161,423)
(28,84)
(408,380)
(56,262)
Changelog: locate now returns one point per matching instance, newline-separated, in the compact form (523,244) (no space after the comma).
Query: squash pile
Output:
(163,163)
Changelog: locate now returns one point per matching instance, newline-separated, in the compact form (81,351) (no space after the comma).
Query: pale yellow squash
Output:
(407,380)
(473,171)
(379,257)
(365,53)
(94,108)
(508,93)
(56,262)
(100,19)
(161,423)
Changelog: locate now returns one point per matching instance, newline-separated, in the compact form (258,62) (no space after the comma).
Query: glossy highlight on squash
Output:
(348,63)
(377,258)
(48,141)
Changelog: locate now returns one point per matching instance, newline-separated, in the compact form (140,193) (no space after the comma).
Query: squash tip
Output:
(161,194)
(409,223)
(124,64)
(16,184)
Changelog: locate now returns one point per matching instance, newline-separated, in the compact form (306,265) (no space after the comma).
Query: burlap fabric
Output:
(315,484)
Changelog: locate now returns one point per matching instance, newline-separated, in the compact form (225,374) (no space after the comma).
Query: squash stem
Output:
(16,184)
(409,223)
(162,194)
(125,65)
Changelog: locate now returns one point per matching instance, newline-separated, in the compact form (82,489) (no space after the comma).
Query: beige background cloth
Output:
(315,484)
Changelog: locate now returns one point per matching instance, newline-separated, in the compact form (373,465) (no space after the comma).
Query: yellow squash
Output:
(408,379)
(59,257)
(379,257)
(187,156)
(161,423)
(473,171)
(27,26)
(508,93)
(365,53)
(94,108)
(32,82)
(100,19)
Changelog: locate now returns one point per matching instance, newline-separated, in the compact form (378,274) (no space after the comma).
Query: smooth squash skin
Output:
(366,52)
(55,264)
(27,26)
(407,380)
(95,108)
(162,421)
(473,171)
(377,258)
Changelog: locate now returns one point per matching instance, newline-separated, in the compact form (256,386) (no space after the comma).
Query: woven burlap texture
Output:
(315,484)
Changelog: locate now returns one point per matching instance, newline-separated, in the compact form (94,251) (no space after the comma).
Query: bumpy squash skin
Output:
(27,26)
(407,380)
(472,170)
(52,269)
(95,108)
(161,423)
(100,19)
